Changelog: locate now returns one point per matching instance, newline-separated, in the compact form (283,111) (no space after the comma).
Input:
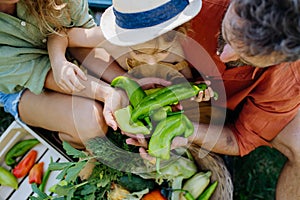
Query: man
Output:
(256,71)
(264,92)
(257,75)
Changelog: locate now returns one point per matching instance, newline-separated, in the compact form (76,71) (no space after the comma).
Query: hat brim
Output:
(129,37)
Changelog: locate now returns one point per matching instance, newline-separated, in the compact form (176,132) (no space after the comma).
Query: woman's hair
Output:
(268,26)
(48,14)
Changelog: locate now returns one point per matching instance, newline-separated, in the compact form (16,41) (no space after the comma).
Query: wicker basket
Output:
(211,161)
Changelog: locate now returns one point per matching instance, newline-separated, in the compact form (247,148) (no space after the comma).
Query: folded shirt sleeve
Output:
(80,14)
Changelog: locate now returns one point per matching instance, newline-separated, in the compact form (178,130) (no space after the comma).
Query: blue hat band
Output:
(151,17)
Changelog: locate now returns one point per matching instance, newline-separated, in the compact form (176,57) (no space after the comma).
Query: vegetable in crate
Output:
(7,178)
(36,173)
(19,149)
(45,177)
(24,166)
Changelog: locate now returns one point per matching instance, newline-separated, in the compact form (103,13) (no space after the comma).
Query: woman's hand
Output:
(115,99)
(66,76)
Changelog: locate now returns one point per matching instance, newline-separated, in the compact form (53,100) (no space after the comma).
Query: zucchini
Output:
(135,183)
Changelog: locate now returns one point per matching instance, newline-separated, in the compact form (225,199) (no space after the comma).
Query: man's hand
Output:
(141,141)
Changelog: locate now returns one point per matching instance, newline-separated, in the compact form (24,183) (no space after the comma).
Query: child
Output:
(147,51)
(144,50)
(149,35)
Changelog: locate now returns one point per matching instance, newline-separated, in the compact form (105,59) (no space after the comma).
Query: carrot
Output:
(154,195)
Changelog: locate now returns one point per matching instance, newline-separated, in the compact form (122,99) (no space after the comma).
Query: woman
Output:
(28,89)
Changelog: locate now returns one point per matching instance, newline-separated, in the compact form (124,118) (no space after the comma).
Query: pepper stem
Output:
(157,165)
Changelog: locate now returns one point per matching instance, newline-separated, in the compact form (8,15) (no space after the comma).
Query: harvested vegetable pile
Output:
(152,113)
(120,172)
(179,177)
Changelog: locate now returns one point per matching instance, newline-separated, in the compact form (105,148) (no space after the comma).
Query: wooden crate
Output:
(17,132)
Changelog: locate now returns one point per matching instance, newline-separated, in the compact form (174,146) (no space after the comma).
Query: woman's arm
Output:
(65,73)
(85,37)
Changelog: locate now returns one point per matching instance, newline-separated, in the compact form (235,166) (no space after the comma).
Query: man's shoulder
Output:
(279,79)
(295,68)
(215,3)
(287,68)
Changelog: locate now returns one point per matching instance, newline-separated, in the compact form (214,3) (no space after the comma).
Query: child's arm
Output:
(65,73)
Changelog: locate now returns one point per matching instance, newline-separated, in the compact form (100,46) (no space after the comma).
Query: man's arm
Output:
(216,138)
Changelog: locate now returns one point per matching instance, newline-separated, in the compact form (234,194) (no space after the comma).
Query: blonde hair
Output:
(48,14)
(184,28)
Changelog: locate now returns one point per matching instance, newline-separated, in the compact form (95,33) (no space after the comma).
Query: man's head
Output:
(262,32)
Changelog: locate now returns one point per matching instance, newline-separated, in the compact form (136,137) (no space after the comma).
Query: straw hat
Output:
(131,22)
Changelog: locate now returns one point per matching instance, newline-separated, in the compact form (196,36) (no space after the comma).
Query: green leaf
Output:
(72,151)
(58,198)
(62,174)
(88,189)
(59,166)
(63,190)
(90,197)
(34,198)
(41,195)
(71,193)
(73,172)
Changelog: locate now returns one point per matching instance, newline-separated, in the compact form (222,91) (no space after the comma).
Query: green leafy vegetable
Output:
(73,152)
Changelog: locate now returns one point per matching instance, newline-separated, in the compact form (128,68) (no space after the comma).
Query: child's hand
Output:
(205,95)
(66,77)
(152,82)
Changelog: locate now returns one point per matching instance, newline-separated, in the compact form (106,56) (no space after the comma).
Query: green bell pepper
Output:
(7,178)
(123,119)
(165,131)
(169,97)
(19,149)
(133,90)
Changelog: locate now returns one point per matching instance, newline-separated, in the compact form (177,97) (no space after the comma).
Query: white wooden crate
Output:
(17,132)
